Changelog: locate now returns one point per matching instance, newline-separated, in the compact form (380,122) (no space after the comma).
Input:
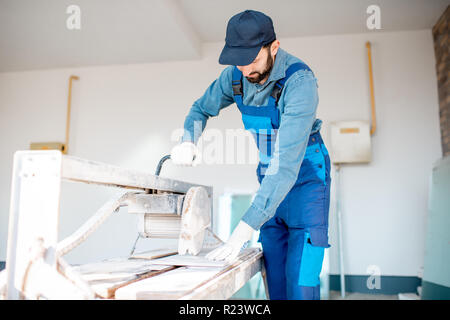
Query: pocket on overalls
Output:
(312,257)
(265,136)
(256,123)
(313,167)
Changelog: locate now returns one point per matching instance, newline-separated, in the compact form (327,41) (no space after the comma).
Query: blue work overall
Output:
(295,238)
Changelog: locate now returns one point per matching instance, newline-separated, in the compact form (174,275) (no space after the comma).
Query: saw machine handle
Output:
(158,168)
(160,163)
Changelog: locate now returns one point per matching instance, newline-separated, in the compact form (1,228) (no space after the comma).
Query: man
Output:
(277,96)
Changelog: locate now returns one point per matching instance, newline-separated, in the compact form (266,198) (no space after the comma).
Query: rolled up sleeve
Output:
(300,104)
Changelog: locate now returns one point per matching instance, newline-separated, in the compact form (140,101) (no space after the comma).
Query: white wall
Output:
(124,115)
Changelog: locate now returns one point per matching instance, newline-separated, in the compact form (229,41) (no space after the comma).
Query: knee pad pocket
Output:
(311,263)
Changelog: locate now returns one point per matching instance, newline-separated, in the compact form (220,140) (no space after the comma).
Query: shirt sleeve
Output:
(216,97)
(301,100)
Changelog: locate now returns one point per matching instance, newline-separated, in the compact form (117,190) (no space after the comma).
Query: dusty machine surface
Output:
(166,208)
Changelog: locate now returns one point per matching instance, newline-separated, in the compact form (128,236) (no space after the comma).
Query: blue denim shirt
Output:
(298,104)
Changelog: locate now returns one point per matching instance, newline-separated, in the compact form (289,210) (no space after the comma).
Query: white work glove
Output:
(184,154)
(230,250)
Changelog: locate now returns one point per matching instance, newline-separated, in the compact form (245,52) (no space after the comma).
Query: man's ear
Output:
(274,47)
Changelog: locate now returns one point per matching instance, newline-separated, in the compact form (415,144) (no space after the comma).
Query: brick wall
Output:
(442,53)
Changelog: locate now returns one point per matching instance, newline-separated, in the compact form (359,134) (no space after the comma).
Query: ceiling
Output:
(33,33)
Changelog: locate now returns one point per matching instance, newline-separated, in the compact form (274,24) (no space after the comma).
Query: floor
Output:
(336,295)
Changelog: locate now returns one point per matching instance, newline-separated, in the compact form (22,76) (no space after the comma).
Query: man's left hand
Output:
(230,250)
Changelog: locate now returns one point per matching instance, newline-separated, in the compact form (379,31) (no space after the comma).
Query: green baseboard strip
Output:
(387,284)
(433,291)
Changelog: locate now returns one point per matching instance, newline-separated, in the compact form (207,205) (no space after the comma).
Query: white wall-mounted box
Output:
(350,142)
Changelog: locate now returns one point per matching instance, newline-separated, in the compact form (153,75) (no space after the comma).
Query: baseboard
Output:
(388,284)
(433,291)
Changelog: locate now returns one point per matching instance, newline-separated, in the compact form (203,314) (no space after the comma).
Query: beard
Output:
(264,74)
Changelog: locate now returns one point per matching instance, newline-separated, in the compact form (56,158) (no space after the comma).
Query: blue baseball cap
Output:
(247,33)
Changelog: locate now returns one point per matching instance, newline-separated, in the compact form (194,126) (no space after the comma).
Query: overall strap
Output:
(278,87)
(238,91)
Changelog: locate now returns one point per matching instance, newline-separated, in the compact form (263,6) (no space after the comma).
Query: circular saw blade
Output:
(195,218)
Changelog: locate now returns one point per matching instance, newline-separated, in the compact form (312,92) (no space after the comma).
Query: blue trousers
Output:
(295,238)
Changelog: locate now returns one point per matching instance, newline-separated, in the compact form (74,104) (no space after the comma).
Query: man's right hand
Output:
(184,154)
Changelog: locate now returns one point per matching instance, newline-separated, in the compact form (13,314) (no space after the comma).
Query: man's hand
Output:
(230,250)
(184,154)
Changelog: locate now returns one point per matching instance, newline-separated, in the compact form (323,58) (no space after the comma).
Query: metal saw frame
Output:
(33,249)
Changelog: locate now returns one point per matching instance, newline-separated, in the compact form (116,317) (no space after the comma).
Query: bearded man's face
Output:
(260,68)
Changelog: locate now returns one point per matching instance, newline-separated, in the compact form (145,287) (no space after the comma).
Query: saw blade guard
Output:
(195,219)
